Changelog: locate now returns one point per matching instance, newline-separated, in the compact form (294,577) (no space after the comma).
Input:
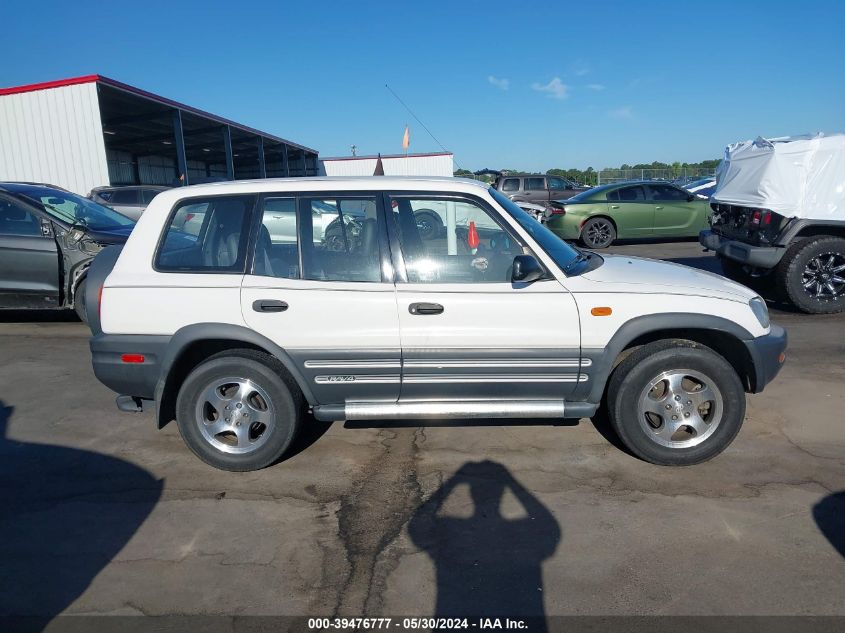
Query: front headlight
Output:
(760,310)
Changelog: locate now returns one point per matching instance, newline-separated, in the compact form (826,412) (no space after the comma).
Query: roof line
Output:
(44,85)
(85,79)
(384,156)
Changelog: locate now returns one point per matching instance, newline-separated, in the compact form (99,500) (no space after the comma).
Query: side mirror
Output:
(691,197)
(526,269)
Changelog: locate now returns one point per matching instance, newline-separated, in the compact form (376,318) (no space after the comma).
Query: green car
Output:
(626,210)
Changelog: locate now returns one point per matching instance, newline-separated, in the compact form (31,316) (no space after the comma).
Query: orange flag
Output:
(406,140)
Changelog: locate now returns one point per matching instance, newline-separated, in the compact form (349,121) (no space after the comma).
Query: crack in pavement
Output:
(372,516)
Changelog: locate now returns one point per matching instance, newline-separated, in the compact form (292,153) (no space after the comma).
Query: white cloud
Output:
(556,89)
(625,112)
(581,68)
(501,84)
(596,87)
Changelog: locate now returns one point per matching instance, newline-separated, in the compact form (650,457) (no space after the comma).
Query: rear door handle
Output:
(269,305)
(614,206)
(425,308)
(658,207)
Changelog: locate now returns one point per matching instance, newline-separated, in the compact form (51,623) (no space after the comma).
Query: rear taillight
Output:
(558,211)
(761,217)
(132,358)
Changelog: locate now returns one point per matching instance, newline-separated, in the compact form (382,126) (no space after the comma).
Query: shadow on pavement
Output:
(487,564)
(64,515)
(38,316)
(829,514)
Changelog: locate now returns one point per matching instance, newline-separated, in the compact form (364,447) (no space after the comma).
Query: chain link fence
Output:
(682,174)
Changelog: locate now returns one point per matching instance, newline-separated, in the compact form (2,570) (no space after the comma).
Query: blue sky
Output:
(528,85)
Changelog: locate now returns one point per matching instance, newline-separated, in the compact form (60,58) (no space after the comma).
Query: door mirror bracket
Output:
(526,269)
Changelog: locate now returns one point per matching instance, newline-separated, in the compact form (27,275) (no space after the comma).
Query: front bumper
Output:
(767,356)
(756,256)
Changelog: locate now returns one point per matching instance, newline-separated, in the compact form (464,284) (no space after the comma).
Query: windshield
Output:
(561,252)
(73,209)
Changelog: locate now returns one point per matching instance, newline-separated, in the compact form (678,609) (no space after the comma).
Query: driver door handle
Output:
(614,206)
(658,207)
(425,308)
(269,305)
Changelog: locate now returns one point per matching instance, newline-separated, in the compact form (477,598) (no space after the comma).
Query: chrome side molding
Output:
(454,409)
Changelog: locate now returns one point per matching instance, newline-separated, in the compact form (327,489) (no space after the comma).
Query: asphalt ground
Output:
(104,514)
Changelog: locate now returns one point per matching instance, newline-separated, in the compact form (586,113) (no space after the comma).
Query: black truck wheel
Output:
(811,275)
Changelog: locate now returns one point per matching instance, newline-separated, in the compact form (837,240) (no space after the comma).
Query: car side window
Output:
(665,192)
(556,183)
(631,194)
(452,241)
(147,195)
(16,220)
(276,248)
(339,239)
(510,184)
(124,196)
(206,235)
(535,184)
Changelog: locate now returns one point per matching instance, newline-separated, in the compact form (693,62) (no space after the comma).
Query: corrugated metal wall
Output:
(436,165)
(54,136)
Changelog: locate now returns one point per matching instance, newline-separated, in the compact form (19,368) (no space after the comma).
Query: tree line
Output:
(589,175)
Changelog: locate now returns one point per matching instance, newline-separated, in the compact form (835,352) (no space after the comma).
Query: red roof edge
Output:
(85,79)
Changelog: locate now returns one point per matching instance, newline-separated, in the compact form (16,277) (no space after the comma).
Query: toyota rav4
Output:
(240,331)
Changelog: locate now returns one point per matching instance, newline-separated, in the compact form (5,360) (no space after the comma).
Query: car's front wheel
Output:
(236,412)
(79,302)
(598,233)
(676,403)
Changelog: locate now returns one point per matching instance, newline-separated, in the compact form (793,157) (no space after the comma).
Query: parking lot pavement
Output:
(101,513)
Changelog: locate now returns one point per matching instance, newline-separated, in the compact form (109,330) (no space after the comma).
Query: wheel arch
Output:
(192,344)
(801,230)
(721,335)
(604,216)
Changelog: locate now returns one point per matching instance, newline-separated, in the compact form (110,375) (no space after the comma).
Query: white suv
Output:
(238,335)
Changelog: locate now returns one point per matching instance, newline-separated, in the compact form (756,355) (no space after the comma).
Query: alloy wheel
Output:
(598,233)
(235,415)
(824,276)
(680,408)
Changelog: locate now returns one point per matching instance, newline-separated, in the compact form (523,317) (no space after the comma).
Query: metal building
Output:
(89,131)
(437,164)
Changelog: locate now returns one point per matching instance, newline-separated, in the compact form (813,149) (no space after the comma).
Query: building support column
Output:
(227,145)
(285,166)
(262,165)
(181,157)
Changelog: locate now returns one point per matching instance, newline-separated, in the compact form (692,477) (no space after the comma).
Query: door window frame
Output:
(398,257)
(385,265)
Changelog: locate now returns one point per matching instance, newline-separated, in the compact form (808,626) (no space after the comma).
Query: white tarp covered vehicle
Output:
(779,216)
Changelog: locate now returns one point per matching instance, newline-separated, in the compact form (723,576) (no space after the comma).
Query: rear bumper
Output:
(138,379)
(767,356)
(757,256)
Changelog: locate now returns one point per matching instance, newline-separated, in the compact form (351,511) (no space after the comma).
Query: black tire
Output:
(799,264)
(282,400)
(733,270)
(429,224)
(79,302)
(643,366)
(598,233)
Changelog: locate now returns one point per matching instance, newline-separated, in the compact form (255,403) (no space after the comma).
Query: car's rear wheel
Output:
(237,412)
(811,275)
(676,403)
(598,233)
